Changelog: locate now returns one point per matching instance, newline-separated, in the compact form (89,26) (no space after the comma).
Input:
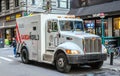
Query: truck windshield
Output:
(71,25)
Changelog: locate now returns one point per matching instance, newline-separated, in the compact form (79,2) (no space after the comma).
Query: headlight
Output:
(105,50)
(72,51)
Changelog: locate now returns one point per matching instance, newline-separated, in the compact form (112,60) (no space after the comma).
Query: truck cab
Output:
(61,40)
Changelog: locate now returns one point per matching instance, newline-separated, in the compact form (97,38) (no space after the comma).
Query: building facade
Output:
(12,9)
(91,10)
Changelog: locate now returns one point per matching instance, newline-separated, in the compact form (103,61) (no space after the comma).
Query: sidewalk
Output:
(7,47)
(114,67)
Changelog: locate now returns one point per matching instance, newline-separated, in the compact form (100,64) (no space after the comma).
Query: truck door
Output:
(34,36)
(52,38)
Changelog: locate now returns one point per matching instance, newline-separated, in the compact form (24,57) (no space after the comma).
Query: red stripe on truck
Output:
(18,38)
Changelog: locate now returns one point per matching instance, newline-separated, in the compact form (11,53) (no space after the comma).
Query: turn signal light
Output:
(72,51)
(68,51)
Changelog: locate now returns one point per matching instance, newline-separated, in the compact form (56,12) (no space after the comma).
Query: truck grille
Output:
(92,45)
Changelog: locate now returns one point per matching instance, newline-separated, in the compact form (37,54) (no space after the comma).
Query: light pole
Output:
(102,15)
(27,7)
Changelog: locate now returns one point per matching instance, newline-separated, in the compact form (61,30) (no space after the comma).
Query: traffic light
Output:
(48,5)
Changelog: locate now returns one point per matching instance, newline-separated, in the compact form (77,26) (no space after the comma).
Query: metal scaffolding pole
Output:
(27,7)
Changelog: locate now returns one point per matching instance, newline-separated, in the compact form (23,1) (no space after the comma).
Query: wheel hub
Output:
(61,62)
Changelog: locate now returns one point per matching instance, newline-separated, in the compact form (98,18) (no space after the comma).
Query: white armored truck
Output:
(59,40)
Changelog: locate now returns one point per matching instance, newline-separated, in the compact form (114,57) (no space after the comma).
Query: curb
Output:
(115,67)
(112,69)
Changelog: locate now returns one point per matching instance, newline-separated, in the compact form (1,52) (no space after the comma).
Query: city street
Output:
(10,66)
(60,37)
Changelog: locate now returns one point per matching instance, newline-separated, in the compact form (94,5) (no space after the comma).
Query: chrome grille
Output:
(92,45)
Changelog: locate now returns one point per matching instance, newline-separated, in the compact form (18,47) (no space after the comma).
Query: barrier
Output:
(1,43)
(114,41)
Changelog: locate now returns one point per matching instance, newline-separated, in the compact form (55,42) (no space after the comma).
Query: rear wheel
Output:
(96,65)
(62,63)
(24,56)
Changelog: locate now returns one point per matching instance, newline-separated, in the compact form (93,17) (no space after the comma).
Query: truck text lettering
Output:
(30,37)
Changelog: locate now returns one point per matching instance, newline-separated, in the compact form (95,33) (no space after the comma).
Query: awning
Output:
(106,7)
(10,26)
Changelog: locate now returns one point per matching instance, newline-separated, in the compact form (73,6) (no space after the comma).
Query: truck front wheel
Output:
(62,63)
(24,56)
(96,65)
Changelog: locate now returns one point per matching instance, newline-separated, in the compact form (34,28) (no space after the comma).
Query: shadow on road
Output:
(74,69)
(43,65)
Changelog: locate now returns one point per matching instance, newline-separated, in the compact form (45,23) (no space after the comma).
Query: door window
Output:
(52,26)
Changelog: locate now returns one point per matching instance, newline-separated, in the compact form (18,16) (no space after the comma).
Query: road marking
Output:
(6,48)
(12,56)
(7,59)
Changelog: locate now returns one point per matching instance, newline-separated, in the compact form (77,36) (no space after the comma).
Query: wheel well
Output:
(24,48)
(58,51)
(24,55)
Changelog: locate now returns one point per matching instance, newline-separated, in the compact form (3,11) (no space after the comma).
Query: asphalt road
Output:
(10,66)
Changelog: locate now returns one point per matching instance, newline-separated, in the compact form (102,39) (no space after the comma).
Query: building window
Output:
(33,2)
(116,25)
(7,4)
(99,27)
(43,2)
(83,3)
(0,5)
(95,27)
(16,3)
(90,26)
(63,4)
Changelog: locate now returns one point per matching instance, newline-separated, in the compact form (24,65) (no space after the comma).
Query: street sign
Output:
(102,15)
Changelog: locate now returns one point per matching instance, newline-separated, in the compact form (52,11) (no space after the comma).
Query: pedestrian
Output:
(14,46)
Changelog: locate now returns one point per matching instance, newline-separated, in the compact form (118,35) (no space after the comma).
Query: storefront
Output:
(116,24)
(1,34)
(94,26)
(9,33)
(7,28)
(93,23)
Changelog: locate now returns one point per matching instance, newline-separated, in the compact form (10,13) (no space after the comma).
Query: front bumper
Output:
(88,58)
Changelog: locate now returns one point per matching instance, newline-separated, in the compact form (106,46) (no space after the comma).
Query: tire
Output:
(96,65)
(24,56)
(62,63)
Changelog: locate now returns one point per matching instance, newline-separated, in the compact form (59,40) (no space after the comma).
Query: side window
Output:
(68,26)
(34,28)
(54,27)
(78,26)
